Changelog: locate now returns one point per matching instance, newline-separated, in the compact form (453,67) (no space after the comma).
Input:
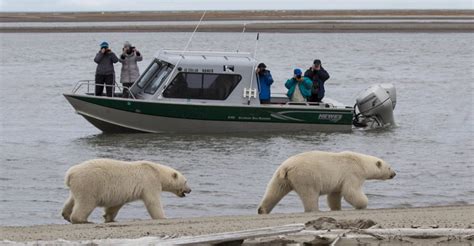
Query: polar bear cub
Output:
(111,184)
(316,173)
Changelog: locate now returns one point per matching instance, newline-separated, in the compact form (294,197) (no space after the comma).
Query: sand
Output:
(310,21)
(444,217)
(231,15)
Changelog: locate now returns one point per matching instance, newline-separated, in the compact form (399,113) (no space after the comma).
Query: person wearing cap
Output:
(318,75)
(105,73)
(264,80)
(130,72)
(299,87)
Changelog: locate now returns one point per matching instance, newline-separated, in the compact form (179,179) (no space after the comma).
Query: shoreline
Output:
(232,15)
(442,216)
(302,21)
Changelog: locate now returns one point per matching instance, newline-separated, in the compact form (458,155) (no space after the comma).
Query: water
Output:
(431,149)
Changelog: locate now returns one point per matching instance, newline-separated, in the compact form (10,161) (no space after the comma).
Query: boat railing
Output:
(203,53)
(90,87)
(326,105)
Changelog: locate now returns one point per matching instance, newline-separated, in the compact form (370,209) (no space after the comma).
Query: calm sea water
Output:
(431,149)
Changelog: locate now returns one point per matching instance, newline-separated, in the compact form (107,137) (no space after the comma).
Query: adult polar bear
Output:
(110,183)
(316,173)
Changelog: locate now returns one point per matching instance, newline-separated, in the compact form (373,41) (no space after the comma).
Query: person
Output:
(130,72)
(318,75)
(265,80)
(105,73)
(299,87)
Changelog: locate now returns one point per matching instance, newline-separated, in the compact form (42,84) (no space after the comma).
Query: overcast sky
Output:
(121,5)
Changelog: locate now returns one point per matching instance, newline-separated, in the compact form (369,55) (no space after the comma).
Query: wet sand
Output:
(232,15)
(443,217)
(308,21)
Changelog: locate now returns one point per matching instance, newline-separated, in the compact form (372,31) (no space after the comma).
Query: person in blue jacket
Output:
(299,87)
(265,80)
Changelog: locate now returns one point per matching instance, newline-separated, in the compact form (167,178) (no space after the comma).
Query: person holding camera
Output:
(299,87)
(105,73)
(130,72)
(265,80)
(318,75)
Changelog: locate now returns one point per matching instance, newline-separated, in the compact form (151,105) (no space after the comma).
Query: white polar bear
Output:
(316,173)
(110,184)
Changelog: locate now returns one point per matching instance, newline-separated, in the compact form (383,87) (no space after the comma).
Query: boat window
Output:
(202,86)
(149,73)
(157,80)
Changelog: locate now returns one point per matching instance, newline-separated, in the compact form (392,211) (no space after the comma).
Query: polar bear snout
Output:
(183,193)
(392,175)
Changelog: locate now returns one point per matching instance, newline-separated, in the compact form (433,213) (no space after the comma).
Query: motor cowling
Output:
(376,104)
(390,89)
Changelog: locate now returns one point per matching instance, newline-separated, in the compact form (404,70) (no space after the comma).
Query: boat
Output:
(217,92)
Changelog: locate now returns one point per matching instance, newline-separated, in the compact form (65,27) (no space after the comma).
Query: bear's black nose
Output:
(393,175)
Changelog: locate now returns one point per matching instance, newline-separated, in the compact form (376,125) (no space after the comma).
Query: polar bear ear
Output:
(379,164)
(175,175)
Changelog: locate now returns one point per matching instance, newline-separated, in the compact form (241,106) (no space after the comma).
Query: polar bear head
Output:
(379,169)
(374,167)
(385,169)
(179,184)
(171,180)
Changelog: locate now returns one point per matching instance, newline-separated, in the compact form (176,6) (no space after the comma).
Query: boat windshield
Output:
(154,76)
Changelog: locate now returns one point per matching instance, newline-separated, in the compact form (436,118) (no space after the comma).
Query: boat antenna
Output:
(195,29)
(250,93)
(241,37)
(184,50)
(256,45)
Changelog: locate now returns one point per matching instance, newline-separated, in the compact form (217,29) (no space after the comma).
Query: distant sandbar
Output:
(256,21)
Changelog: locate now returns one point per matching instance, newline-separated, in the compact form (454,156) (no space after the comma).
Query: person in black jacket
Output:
(318,75)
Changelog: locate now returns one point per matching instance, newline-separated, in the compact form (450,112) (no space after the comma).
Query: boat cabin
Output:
(215,77)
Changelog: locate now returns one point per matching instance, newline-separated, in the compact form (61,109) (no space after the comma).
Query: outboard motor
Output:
(374,106)
(390,89)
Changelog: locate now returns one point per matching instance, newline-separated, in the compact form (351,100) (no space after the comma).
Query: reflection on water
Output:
(431,148)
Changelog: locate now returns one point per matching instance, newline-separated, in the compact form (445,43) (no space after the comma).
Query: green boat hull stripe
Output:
(226,113)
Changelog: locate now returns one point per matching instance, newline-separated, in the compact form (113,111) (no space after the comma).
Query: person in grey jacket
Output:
(105,74)
(130,71)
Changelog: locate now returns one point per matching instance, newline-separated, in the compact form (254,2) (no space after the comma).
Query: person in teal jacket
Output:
(304,87)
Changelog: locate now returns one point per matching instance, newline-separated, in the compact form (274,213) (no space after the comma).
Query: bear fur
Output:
(316,173)
(111,184)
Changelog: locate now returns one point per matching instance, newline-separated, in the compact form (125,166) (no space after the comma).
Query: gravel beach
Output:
(443,217)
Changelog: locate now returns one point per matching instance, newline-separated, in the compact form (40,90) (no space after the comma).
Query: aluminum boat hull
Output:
(117,115)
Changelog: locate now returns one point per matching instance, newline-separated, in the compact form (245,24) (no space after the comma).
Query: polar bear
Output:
(111,183)
(315,173)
